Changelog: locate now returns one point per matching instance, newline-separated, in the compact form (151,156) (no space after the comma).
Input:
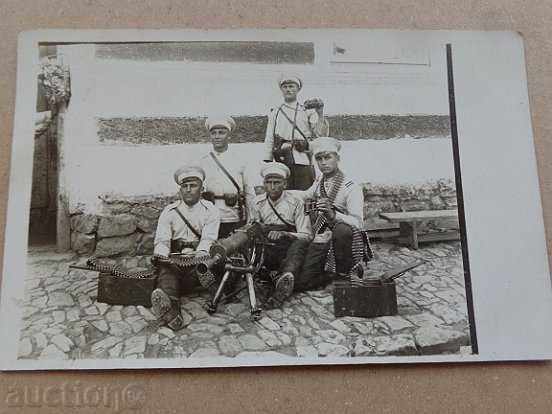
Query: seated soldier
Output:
(189,225)
(285,223)
(335,206)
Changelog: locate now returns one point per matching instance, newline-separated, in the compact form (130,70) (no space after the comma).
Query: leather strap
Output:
(187,222)
(225,171)
(278,214)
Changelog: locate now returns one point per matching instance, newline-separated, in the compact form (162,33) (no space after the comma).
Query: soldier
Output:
(283,218)
(226,184)
(290,128)
(189,225)
(335,206)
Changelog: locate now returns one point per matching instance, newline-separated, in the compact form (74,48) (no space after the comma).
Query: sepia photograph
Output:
(247,200)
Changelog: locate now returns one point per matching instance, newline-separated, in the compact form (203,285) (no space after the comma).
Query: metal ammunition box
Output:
(365,300)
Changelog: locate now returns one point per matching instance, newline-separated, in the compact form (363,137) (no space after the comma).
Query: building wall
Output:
(393,118)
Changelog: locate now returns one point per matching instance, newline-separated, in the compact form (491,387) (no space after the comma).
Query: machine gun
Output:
(240,254)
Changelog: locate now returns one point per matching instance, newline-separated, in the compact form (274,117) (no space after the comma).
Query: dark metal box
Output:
(116,290)
(367,301)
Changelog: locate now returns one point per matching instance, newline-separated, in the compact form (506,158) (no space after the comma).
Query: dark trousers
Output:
(175,282)
(313,274)
(286,256)
(226,229)
(301,178)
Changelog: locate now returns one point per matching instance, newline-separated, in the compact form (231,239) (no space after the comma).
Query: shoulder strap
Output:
(278,214)
(225,171)
(294,125)
(187,222)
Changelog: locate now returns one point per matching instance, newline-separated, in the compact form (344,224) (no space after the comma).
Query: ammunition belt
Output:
(116,271)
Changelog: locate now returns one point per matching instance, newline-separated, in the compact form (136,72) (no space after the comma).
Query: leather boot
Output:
(283,286)
(167,309)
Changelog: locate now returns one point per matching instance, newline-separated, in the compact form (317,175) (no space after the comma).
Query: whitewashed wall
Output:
(117,88)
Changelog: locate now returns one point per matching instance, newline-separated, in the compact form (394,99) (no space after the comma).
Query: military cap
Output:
(325,144)
(288,77)
(188,171)
(275,168)
(220,121)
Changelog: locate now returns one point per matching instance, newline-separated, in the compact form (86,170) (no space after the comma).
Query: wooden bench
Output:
(410,220)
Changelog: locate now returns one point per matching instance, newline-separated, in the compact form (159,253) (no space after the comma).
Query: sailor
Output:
(291,127)
(286,225)
(226,184)
(188,226)
(334,204)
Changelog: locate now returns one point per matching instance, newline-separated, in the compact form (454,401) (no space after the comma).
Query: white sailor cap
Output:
(188,171)
(275,168)
(288,77)
(325,144)
(220,121)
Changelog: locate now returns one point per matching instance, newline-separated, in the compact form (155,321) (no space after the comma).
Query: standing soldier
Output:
(285,223)
(290,128)
(226,184)
(335,205)
(189,225)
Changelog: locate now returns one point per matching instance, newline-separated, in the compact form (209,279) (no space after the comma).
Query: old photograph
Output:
(252,200)
(199,199)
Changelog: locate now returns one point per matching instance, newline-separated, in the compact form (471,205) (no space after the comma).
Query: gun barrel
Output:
(208,264)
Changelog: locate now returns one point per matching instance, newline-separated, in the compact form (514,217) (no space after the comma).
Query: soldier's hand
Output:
(276,235)
(201,253)
(187,250)
(325,206)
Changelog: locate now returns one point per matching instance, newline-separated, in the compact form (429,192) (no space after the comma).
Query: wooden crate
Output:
(125,291)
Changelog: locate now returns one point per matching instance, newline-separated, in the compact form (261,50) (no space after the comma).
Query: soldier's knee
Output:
(342,231)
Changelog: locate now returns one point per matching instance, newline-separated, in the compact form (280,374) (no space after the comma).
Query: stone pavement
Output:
(62,320)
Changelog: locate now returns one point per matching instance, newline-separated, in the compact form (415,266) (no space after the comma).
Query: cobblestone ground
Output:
(62,320)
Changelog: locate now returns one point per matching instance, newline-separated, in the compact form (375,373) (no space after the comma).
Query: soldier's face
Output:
(289,91)
(219,137)
(274,186)
(190,190)
(327,162)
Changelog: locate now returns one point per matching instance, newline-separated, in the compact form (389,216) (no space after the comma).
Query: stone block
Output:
(402,344)
(84,223)
(146,225)
(146,212)
(145,244)
(435,340)
(229,345)
(83,243)
(117,225)
(112,246)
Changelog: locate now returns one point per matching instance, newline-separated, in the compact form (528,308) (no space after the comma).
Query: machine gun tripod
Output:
(241,255)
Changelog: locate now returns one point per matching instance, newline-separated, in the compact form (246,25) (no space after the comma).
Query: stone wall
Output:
(435,195)
(179,130)
(126,225)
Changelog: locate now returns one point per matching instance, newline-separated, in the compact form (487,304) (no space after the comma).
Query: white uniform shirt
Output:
(217,182)
(349,201)
(289,207)
(203,216)
(307,121)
